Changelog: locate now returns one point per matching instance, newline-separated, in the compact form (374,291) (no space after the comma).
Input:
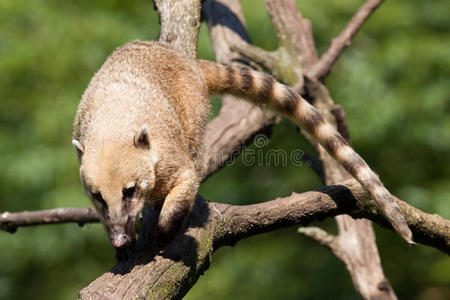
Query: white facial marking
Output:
(93,191)
(129,185)
(154,157)
(144,184)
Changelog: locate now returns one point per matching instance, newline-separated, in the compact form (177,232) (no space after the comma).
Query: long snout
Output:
(119,238)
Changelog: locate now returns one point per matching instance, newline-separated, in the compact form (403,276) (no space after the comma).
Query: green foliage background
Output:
(393,82)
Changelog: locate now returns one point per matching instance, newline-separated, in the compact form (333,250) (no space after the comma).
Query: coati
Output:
(139,131)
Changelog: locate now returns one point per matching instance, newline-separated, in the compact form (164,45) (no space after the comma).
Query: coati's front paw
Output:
(170,220)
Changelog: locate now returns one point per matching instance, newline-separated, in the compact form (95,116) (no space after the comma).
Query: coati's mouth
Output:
(119,238)
(122,236)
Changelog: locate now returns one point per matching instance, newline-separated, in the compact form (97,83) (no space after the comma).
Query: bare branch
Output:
(10,221)
(169,274)
(294,33)
(268,60)
(357,253)
(323,66)
(347,197)
(319,235)
(362,259)
(296,51)
(180,23)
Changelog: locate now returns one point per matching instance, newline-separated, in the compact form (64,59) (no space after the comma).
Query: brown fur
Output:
(152,95)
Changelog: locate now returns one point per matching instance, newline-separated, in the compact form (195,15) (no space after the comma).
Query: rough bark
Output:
(10,221)
(180,23)
(428,229)
(170,273)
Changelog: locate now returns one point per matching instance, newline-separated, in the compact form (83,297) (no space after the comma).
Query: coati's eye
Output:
(128,192)
(98,197)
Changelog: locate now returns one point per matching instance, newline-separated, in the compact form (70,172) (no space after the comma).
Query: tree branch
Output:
(10,221)
(294,34)
(428,229)
(170,273)
(323,66)
(268,60)
(319,235)
(180,23)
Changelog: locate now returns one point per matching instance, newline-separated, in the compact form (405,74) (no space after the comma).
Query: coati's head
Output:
(118,177)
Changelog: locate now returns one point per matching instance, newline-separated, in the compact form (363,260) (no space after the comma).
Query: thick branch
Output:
(323,66)
(294,33)
(180,23)
(346,198)
(211,225)
(428,229)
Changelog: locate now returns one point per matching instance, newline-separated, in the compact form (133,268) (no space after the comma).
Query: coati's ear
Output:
(78,148)
(142,138)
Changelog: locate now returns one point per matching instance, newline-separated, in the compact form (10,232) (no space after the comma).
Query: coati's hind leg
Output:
(177,206)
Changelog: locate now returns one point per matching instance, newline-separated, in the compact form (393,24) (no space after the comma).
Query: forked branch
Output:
(323,66)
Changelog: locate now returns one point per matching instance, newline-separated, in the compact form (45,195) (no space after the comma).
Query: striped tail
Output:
(263,90)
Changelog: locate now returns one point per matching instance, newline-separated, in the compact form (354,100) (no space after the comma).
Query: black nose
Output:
(119,238)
